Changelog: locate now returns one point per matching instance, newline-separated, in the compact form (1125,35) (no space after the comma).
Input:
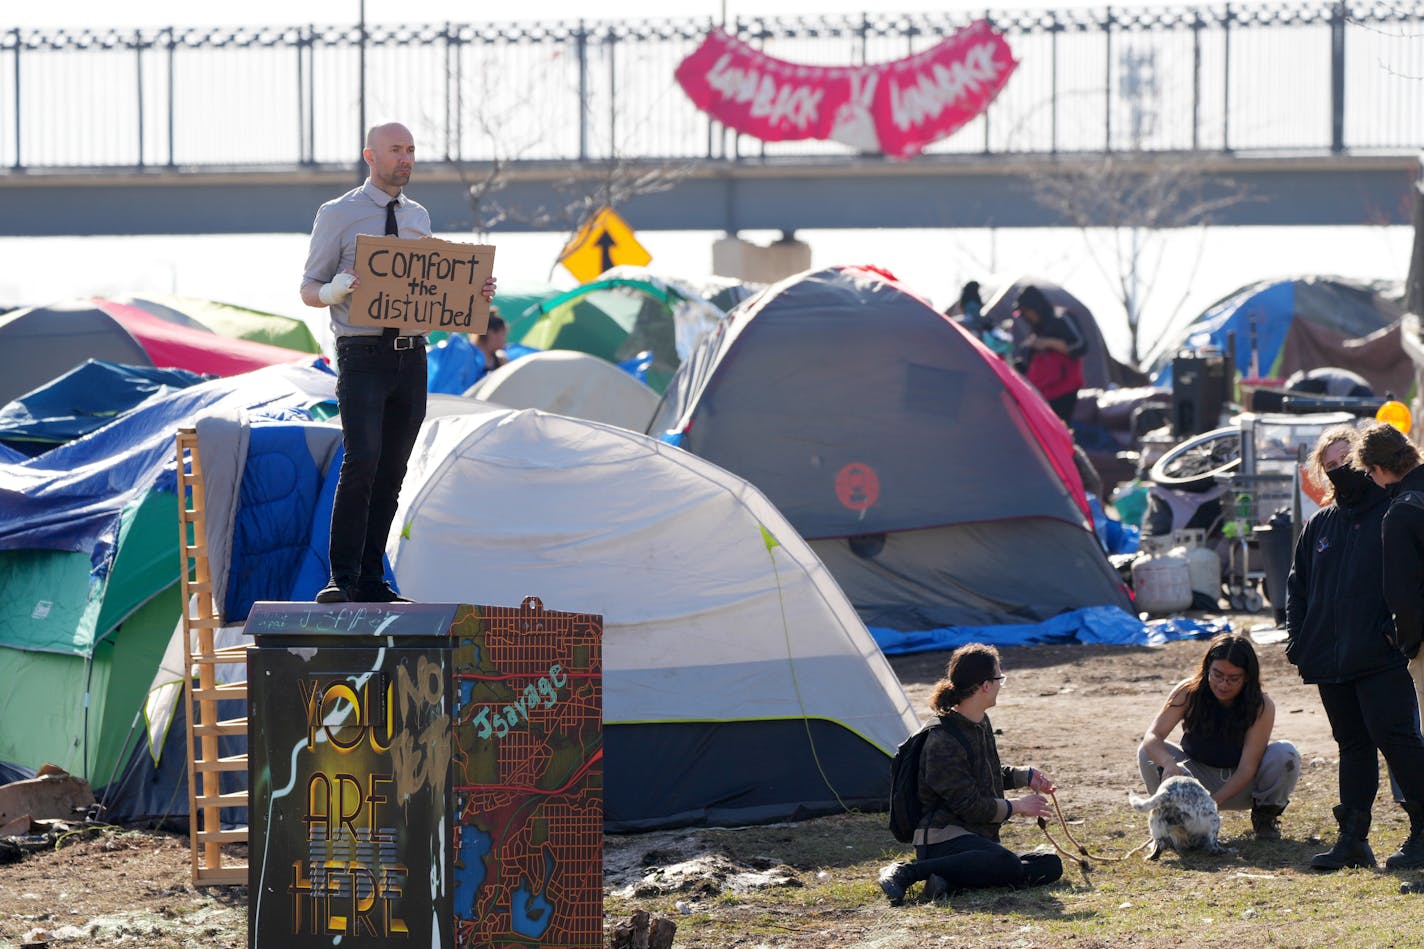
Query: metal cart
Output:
(1248,502)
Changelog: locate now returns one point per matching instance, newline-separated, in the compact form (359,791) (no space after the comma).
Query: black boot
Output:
(1410,855)
(894,879)
(1352,849)
(1266,821)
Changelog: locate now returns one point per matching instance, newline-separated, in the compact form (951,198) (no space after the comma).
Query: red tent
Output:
(173,345)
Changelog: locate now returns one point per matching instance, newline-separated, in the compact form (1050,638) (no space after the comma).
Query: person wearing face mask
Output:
(1342,641)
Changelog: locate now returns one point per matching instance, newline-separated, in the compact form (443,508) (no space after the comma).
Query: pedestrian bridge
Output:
(1312,114)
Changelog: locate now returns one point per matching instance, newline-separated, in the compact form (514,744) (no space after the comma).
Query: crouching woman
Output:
(1226,720)
(961,786)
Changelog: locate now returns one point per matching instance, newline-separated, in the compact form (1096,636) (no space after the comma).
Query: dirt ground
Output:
(1076,712)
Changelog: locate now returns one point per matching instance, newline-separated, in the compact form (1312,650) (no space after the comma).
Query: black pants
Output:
(381,393)
(1064,406)
(1376,712)
(970,861)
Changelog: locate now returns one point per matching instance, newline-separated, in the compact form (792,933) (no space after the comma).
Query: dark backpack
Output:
(906,814)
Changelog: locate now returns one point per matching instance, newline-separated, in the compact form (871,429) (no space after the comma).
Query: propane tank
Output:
(1162,584)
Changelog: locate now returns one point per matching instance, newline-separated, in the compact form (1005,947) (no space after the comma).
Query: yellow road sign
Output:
(605,241)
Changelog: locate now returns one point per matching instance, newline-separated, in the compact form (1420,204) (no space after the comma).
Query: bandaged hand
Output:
(338,290)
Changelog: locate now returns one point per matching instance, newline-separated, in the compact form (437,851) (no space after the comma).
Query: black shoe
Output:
(1266,821)
(893,880)
(379,593)
(1352,847)
(333,592)
(1410,855)
(935,887)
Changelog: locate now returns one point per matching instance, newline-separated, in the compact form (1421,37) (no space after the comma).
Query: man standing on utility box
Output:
(380,374)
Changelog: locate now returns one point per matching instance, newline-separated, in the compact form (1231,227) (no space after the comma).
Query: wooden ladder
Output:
(200,620)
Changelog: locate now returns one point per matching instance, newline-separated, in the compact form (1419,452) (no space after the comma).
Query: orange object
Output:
(1396,414)
(1310,488)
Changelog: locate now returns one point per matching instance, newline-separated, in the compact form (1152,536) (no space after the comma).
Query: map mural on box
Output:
(528,778)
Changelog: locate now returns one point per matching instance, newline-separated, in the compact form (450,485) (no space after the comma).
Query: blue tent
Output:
(86,398)
(1291,323)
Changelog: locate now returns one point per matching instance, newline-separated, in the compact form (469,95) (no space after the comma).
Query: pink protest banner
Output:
(896,108)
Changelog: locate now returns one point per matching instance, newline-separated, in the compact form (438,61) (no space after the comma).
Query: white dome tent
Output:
(570,383)
(739,684)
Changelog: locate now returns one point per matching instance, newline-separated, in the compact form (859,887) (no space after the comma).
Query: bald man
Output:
(380,374)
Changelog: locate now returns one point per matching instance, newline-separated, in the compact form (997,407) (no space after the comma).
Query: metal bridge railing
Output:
(1312,78)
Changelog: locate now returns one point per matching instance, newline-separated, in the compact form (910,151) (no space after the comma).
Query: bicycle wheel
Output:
(1194,465)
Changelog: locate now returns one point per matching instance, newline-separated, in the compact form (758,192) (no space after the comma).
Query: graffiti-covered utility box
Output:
(426,774)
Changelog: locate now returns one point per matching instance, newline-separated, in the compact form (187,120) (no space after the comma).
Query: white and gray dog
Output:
(1182,816)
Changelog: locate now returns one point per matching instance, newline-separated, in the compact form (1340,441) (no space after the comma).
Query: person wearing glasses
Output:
(1226,720)
(962,784)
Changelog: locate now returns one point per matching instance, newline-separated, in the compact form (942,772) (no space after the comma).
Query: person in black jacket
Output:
(962,792)
(1392,461)
(1051,356)
(1341,639)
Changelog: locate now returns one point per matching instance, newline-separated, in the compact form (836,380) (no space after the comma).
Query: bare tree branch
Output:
(509,138)
(1138,199)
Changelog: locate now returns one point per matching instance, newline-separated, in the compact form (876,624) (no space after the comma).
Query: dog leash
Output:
(1083,855)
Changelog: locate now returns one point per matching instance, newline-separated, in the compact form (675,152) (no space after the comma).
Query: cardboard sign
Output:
(420,285)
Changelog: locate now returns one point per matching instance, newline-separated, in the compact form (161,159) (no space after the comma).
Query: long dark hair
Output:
(1203,714)
(970,666)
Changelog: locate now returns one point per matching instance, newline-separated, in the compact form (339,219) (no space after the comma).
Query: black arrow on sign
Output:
(606,243)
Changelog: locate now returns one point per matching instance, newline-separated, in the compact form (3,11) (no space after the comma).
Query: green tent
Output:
(75,687)
(616,319)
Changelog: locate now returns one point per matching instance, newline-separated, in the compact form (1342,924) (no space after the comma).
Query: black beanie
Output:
(1032,298)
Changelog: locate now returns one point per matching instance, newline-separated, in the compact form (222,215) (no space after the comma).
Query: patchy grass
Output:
(1262,895)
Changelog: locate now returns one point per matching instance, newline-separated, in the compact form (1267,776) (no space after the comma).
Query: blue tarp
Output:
(71,498)
(1114,536)
(86,398)
(1272,308)
(456,364)
(1095,624)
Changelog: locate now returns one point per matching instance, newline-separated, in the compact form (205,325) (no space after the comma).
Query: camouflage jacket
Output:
(962,789)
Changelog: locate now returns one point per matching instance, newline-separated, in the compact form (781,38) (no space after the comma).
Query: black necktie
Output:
(392,230)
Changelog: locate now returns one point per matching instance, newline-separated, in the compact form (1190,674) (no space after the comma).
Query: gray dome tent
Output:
(936,486)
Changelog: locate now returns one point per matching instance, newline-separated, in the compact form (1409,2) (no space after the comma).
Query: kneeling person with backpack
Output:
(947,792)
